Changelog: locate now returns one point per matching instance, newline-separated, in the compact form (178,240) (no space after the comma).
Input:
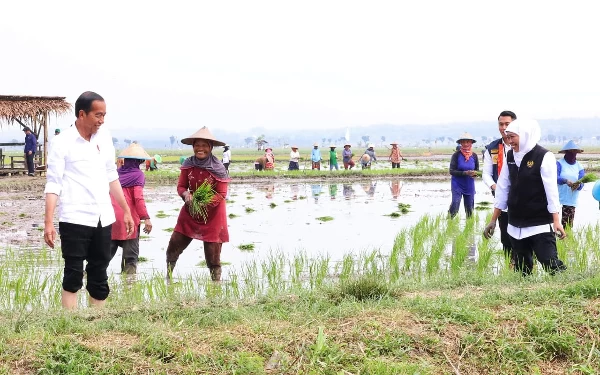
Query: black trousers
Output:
(29,162)
(82,243)
(543,245)
(504,236)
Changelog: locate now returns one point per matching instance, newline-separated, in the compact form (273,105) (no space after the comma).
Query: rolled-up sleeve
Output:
(549,179)
(55,168)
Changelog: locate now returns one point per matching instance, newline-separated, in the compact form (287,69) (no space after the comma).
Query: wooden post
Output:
(45,125)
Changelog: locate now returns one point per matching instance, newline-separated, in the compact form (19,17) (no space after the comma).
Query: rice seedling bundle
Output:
(200,200)
(590,177)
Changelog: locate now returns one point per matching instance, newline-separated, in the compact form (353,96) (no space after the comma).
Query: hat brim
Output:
(190,141)
(134,157)
(571,149)
(466,139)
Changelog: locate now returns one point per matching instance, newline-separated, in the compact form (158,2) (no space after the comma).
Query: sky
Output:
(237,65)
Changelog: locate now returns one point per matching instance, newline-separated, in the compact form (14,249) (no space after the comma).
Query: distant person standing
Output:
(315,157)
(494,159)
(30,146)
(569,171)
(82,172)
(294,159)
(333,163)
(347,156)
(395,155)
(56,131)
(226,157)
(463,167)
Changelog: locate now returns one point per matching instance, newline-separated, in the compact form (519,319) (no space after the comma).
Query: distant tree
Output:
(249,141)
(115,141)
(260,142)
(551,138)
(440,139)
(127,141)
(329,140)
(323,141)
(365,139)
(382,139)
(484,138)
(451,140)
(172,139)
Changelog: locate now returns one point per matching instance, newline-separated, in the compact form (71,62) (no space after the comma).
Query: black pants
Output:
(29,162)
(293,166)
(504,236)
(82,243)
(395,165)
(226,165)
(543,245)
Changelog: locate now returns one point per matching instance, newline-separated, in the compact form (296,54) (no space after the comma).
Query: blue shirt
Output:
(315,155)
(30,143)
(571,172)
(461,182)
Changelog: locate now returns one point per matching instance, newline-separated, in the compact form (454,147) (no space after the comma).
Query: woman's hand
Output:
(147,226)
(471,173)
(187,198)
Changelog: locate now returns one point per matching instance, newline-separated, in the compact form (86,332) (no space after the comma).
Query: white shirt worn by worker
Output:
(295,156)
(549,180)
(226,156)
(79,172)
(488,165)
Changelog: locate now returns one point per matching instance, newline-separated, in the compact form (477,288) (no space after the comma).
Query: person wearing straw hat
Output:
(527,187)
(226,157)
(333,163)
(294,159)
(569,172)
(347,156)
(315,157)
(201,167)
(494,157)
(463,166)
(132,181)
(82,173)
(395,155)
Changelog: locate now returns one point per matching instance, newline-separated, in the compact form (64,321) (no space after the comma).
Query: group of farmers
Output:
(529,187)
(102,207)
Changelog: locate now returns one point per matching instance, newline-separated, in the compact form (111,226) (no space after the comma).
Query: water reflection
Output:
(294,189)
(395,187)
(333,191)
(348,191)
(369,188)
(316,191)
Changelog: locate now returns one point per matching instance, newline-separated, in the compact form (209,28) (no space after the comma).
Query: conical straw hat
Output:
(203,133)
(394,143)
(466,136)
(571,145)
(134,151)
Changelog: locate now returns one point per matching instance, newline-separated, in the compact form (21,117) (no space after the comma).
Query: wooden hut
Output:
(33,112)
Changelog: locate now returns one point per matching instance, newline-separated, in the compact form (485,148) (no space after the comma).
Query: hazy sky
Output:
(306,64)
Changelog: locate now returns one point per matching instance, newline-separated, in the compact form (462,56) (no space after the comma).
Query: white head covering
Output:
(529,133)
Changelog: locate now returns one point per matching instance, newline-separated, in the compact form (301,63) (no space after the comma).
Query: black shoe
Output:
(31,174)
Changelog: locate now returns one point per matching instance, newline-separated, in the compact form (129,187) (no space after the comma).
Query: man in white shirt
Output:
(82,172)
(226,157)
(527,186)
(494,158)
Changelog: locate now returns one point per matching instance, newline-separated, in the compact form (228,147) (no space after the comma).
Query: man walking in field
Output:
(494,158)
(82,172)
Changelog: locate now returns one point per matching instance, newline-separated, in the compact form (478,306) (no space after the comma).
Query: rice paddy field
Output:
(365,275)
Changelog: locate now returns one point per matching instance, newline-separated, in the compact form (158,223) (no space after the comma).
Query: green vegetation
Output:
(143,259)
(162,215)
(272,205)
(250,210)
(394,214)
(324,218)
(246,247)
(426,306)
(232,216)
(169,230)
(202,196)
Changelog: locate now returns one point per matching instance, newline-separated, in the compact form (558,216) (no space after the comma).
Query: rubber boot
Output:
(215,273)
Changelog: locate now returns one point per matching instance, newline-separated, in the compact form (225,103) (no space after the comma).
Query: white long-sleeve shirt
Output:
(488,165)
(79,172)
(549,180)
(227,156)
(295,156)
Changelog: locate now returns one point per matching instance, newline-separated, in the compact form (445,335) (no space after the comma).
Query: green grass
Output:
(202,263)
(324,218)
(250,210)
(246,247)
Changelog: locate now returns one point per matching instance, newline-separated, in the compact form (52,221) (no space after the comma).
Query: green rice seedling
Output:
(287,201)
(229,201)
(232,216)
(272,205)
(169,230)
(202,263)
(365,288)
(250,210)
(347,267)
(161,215)
(302,197)
(394,214)
(143,259)
(249,197)
(324,218)
(484,203)
(246,247)
(144,237)
(587,178)
(22,215)
(402,206)
(201,197)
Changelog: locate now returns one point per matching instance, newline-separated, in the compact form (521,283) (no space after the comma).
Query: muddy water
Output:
(358,210)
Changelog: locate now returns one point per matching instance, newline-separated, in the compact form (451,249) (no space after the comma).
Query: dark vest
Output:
(527,202)
(494,149)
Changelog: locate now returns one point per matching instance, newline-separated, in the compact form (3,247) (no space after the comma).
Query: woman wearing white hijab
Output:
(528,188)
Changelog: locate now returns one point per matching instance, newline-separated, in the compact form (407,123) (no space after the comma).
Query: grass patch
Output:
(250,210)
(272,205)
(161,215)
(287,201)
(324,218)
(143,259)
(202,263)
(232,216)
(229,201)
(246,247)
(169,230)
(394,214)
(249,197)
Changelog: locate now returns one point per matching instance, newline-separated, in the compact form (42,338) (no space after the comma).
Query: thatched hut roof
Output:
(26,108)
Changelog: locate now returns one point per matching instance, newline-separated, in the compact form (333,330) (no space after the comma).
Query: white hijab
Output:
(529,133)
